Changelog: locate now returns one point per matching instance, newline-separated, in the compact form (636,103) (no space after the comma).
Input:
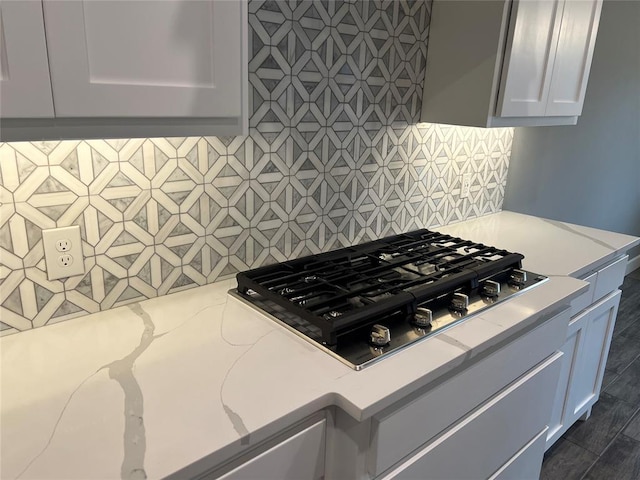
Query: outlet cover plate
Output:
(55,267)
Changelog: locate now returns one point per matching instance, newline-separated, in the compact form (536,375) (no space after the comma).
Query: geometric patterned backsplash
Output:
(334,157)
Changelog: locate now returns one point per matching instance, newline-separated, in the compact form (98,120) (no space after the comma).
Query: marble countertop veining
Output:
(144,390)
(550,247)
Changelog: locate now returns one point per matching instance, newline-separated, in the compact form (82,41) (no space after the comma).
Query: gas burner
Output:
(424,268)
(365,302)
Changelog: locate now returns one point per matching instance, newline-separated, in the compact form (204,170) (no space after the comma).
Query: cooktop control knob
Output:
(380,335)
(517,278)
(490,289)
(423,317)
(459,302)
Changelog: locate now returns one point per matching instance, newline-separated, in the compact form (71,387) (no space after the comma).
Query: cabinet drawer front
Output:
(610,277)
(300,457)
(586,379)
(490,436)
(399,431)
(586,299)
(526,464)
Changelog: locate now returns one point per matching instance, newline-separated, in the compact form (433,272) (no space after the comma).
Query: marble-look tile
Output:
(4,326)
(633,429)
(633,330)
(625,387)
(608,377)
(566,461)
(621,461)
(625,348)
(13,302)
(325,120)
(608,416)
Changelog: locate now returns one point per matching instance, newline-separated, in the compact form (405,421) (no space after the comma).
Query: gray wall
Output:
(589,174)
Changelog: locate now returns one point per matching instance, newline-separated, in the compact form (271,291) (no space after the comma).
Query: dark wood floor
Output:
(607,446)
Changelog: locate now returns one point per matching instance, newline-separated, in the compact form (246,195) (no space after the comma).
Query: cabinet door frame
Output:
(25,85)
(570,359)
(444,453)
(562,106)
(508,103)
(574,407)
(77,95)
(579,406)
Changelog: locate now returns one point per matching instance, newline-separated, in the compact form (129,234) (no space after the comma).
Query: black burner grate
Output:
(346,289)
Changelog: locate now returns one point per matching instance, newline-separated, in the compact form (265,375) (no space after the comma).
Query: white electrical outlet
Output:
(65,260)
(63,245)
(63,252)
(466,185)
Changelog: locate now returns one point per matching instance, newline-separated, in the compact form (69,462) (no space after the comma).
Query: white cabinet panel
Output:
(399,431)
(529,58)
(571,68)
(25,89)
(586,299)
(490,436)
(560,405)
(151,58)
(562,414)
(526,464)
(610,277)
(585,356)
(509,63)
(300,457)
(589,369)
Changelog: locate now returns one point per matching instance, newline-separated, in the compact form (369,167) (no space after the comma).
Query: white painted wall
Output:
(590,173)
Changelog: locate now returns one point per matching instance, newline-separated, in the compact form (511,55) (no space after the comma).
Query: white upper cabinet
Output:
(165,58)
(123,68)
(509,62)
(571,68)
(528,62)
(25,89)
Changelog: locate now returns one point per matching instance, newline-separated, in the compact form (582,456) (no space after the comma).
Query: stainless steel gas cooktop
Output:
(365,302)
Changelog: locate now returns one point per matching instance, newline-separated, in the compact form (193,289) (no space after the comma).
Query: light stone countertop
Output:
(198,376)
(550,247)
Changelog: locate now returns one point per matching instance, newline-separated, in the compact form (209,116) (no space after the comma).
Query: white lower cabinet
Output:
(489,418)
(585,356)
(492,434)
(593,352)
(404,427)
(299,457)
(558,416)
(524,465)
(610,277)
(586,347)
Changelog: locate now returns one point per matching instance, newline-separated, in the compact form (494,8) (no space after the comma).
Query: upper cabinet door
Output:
(576,43)
(145,58)
(526,73)
(25,89)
